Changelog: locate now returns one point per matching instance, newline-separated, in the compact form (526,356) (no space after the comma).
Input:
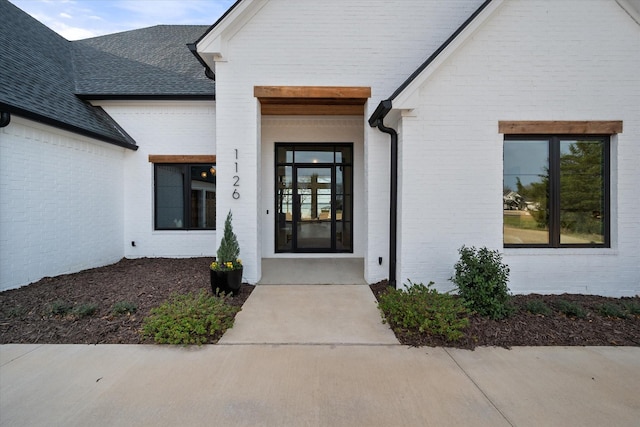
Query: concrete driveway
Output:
(318,371)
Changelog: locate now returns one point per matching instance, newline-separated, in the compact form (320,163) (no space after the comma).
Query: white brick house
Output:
(314,101)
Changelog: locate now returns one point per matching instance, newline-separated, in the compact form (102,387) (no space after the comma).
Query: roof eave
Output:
(145,97)
(126,142)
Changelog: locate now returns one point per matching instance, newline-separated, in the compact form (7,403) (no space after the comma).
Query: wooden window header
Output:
(587,127)
(167,158)
(312,100)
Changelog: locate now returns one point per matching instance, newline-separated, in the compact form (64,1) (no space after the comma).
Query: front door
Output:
(314,198)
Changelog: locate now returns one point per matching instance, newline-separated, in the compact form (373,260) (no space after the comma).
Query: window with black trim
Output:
(185,196)
(556,191)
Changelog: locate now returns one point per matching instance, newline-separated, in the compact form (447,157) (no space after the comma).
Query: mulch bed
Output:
(26,313)
(525,329)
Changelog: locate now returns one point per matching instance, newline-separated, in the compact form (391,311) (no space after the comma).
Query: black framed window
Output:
(556,191)
(185,196)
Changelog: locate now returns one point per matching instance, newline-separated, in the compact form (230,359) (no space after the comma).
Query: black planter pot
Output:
(226,281)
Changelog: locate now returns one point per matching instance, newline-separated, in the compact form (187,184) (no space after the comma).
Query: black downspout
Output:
(377,120)
(5,119)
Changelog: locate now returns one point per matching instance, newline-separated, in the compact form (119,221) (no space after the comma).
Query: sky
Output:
(81,19)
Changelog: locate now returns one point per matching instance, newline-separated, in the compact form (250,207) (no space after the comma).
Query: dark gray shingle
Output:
(36,79)
(152,61)
(45,78)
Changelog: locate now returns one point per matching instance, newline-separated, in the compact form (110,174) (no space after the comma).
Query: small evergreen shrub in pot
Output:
(482,279)
(226,270)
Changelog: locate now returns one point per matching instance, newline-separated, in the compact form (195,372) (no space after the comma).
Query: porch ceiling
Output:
(312,100)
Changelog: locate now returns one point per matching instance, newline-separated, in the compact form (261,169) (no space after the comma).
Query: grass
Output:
(520,220)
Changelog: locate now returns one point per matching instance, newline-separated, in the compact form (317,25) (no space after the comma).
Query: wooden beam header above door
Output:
(312,100)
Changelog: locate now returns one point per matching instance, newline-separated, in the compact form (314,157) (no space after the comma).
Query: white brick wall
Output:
(332,43)
(61,203)
(533,60)
(161,128)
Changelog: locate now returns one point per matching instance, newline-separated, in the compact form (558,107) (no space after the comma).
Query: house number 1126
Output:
(236,179)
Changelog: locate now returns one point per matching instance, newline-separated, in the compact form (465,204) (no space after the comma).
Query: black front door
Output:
(314,198)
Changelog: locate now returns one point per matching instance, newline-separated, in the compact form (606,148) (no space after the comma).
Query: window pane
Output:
(581,192)
(284,207)
(169,197)
(526,192)
(203,196)
(284,155)
(314,154)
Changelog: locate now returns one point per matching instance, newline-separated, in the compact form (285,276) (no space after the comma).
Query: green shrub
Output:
(17,311)
(482,278)
(570,309)
(632,307)
(229,250)
(189,319)
(124,307)
(609,309)
(60,308)
(421,309)
(84,310)
(537,306)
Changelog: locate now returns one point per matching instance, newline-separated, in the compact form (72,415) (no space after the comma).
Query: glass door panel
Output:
(284,208)
(314,198)
(314,208)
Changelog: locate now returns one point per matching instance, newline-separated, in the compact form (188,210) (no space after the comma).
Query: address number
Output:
(236,182)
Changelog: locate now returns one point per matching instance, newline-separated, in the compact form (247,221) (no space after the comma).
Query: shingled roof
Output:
(150,62)
(48,79)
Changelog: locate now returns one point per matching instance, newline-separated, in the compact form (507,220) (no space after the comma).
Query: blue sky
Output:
(80,19)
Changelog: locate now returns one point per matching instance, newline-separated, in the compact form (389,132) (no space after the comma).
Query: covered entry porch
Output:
(313,228)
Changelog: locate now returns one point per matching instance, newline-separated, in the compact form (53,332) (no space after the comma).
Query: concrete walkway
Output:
(310,314)
(278,382)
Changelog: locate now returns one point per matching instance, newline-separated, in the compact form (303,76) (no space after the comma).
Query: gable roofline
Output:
(632,7)
(215,24)
(193,47)
(210,47)
(407,87)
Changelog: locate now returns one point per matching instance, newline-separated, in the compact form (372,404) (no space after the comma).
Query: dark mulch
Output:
(525,329)
(26,313)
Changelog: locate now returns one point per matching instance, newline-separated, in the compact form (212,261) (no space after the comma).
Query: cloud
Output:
(74,33)
(77,19)
(172,11)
